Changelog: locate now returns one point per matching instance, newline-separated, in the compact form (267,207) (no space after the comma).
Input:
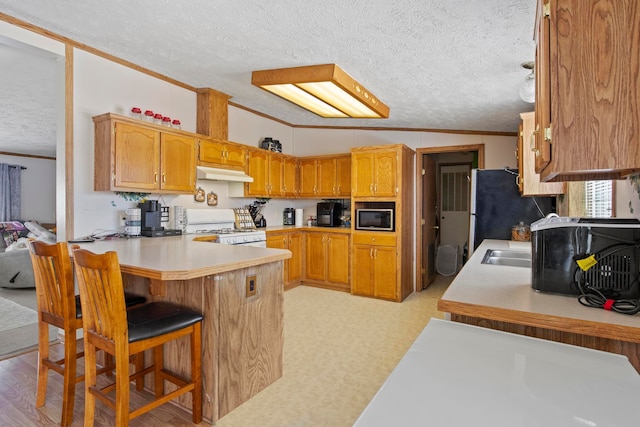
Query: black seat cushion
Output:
(158,318)
(129,300)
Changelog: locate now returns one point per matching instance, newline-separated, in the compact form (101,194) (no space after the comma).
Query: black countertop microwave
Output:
(375,219)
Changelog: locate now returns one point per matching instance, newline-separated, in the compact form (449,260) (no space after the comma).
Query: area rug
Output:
(18,329)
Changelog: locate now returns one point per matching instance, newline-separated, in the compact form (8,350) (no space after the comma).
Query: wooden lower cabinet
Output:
(375,266)
(327,260)
(291,241)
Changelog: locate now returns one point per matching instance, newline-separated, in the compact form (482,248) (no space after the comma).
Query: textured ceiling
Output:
(438,64)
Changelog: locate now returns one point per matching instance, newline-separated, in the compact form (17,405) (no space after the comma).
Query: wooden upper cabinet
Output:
(130,155)
(136,158)
(326,177)
(290,177)
(528,180)
(276,186)
(308,177)
(587,106)
(258,169)
(374,174)
(177,163)
(343,176)
(213,152)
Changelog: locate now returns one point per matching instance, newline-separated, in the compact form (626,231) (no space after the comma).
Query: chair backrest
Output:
(101,295)
(53,274)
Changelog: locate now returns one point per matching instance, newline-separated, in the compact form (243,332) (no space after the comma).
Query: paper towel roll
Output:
(299,220)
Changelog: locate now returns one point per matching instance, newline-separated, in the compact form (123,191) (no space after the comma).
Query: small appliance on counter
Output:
(289,216)
(328,214)
(573,256)
(151,218)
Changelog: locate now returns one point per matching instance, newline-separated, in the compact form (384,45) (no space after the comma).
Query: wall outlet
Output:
(252,284)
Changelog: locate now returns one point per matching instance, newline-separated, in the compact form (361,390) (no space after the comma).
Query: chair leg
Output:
(43,370)
(70,374)
(89,381)
(196,373)
(158,365)
(139,366)
(122,389)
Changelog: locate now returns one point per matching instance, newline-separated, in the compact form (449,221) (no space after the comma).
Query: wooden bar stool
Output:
(60,307)
(110,327)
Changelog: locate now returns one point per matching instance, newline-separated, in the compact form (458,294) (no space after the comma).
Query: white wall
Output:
(102,86)
(38,195)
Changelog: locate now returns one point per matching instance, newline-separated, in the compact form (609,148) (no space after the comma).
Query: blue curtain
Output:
(9,192)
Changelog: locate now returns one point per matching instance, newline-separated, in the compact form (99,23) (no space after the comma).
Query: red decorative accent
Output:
(608,304)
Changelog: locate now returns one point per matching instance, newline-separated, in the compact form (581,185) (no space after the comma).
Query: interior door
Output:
(454,204)
(429,226)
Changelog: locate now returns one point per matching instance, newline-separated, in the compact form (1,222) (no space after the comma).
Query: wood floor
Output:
(18,390)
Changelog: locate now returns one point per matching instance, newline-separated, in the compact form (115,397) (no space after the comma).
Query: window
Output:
(598,200)
(592,199)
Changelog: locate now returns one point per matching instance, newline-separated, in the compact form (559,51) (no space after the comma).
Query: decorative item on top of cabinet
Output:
(587,89)
(134,155)
(528,180)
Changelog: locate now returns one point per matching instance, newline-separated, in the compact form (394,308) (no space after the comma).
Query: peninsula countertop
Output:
(182,258)
(504,293)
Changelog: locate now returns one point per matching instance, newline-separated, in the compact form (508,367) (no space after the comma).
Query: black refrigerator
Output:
(496,205)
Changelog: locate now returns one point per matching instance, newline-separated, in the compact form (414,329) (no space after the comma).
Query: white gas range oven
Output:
(222,222)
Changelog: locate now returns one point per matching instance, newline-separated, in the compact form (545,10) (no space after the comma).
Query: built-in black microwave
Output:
(375,219)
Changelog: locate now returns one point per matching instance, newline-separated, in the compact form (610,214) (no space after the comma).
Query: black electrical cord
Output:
(592,297)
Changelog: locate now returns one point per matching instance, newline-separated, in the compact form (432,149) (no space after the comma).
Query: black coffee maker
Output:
(150,216)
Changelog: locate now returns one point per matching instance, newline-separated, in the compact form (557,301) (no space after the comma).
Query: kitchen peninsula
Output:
(501,297)
(239,289)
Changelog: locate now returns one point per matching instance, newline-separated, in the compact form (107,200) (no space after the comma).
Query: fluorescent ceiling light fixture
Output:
(323,89)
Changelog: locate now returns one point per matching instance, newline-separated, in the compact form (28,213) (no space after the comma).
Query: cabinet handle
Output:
(371,253)
(375,188)
(155,177)
(375,254)
(329,241)
(164,178)
(532,144)
(371,188)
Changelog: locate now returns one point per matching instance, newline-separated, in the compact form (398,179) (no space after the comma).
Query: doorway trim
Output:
(420,152)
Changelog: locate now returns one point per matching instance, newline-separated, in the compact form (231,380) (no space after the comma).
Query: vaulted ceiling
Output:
(438,64)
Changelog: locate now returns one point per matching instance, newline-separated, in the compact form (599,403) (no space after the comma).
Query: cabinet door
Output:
(275,185)
(279,241)
(543,87)
(235,155)
(211,152)
(338,258)
(362,278)
(178,163)
(385,174)
(308,178)
(362,171)
(326,177)
(258,169)
(290,177)
(316,260)
(343,176)
(384,272)
(295,262)
(136,158)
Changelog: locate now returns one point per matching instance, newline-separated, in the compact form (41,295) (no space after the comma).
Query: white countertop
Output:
(486,290)
(461,376)
(181,258)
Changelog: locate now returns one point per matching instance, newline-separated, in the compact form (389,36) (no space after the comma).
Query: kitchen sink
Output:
(507,257)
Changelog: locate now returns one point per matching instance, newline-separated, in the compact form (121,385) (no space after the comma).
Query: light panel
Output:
(325,90)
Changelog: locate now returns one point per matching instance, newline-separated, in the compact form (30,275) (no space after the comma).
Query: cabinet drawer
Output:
(375,239)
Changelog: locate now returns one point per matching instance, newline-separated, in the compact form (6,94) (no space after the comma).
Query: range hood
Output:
(217,174)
